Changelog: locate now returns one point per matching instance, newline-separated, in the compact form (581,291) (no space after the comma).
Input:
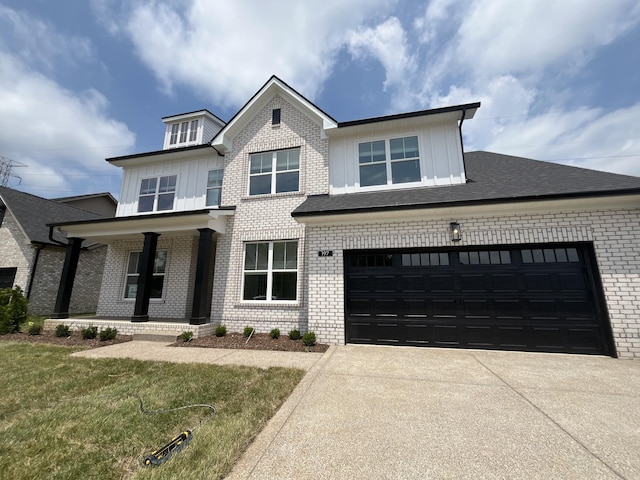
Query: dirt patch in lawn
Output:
(258,341)
(75,340)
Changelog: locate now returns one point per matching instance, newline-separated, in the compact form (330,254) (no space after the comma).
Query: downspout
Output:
(33,269)
(464,165)
(53,240)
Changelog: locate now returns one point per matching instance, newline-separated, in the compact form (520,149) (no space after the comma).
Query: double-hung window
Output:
(214,187)
(389,162)
(183,132)
(157,193)
(274,172)
(133,272)
(270,271)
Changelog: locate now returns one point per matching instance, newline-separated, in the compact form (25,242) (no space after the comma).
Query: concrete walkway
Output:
(367,412)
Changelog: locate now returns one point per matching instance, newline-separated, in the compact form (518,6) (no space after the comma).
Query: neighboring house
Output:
(101,203)
(33,260)
(378,230)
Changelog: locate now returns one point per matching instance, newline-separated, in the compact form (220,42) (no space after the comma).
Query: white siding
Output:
(207,131)
(440,157)
(191,188)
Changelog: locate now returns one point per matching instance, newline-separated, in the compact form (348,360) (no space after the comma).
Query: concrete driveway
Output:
(367,412)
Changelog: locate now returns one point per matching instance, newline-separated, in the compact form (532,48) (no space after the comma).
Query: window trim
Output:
(269,271)
(127,275)
(274,172)
(388,162)
(157,193)
(206,195)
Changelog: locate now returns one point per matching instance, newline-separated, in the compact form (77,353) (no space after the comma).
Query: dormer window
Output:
(184,132)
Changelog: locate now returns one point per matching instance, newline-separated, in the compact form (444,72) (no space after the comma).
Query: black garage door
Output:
(532,298)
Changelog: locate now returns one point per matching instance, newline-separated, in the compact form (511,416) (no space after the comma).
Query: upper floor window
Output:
(183,132)
(274,172)
(214,187)
(157,193)
(388,162)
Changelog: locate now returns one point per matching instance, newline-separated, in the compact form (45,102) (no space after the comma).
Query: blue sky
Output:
(84,80)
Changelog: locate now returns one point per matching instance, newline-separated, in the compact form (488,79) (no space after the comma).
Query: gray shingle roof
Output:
(33,213)
(492,178)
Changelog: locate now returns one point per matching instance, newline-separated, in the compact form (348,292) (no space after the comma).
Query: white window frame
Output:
(215,187)
(137,275)
(184,133)
(274,172)
(270,271)
(157,193)
(389,162)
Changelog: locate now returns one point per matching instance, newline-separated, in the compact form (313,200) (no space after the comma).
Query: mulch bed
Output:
(75,340)
(258,341)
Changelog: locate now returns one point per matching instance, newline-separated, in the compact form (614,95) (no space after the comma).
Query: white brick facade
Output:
(618,258)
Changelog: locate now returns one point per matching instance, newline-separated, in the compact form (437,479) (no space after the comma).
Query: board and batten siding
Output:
(191,187)
(440,157)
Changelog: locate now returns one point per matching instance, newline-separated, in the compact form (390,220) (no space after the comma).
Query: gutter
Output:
(53,240)
(32,274)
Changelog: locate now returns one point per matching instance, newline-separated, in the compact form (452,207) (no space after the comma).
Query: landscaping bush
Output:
(108,334)
(247,331)
(294,334)
(309,339)
(89,332)
(275,333)
(221,331)
(62,330)
(13,309)
(34,329)
(186,336)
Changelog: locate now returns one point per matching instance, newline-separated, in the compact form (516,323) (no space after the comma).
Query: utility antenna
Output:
(6,164)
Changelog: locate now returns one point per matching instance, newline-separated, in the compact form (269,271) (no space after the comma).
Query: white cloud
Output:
(227,50)
(37,43)
(57,133)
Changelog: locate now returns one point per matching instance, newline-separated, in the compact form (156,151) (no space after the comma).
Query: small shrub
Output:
(108,334)
(221,331)
(309,339)
(294,334)
(34,329)
(62,330)
(275,333)
(13,309)
(186,336)
(89,332)
(247,331)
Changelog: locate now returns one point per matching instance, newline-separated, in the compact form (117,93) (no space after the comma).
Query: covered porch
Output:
(190,234)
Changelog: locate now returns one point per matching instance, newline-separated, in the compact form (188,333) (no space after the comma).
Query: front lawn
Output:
(64,418)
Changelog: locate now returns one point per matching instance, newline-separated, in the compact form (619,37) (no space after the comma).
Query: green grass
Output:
(64,418)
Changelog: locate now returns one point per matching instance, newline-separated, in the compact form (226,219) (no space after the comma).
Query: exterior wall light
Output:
(454,227)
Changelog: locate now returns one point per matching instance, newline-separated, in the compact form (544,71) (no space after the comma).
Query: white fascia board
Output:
(476,211)
(133,227)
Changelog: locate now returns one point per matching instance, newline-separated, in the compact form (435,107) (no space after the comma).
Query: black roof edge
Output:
(196,111)
(463,203)
(138,217)
(259,90)
(419,113)
(158,152)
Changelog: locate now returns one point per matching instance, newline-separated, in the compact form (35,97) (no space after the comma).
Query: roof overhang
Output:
(457,210)
(168,224)
(169,155)
(224,139)
(419,118)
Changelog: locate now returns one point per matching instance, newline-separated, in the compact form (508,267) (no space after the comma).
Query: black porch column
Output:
(61,309)
(201,308)
(145,277)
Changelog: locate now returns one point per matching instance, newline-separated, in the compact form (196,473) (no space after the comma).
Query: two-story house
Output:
(381,230)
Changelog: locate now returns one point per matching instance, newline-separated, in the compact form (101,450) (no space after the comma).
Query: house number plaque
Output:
(325,253)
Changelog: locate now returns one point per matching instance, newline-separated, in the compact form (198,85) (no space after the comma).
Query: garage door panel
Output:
(515,298)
